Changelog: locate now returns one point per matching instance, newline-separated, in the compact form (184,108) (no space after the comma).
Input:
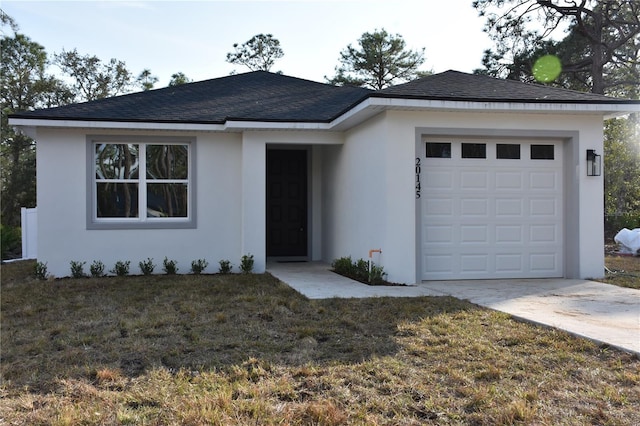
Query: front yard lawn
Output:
(247,349)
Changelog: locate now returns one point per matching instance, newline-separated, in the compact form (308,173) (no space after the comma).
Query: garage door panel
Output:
(474,207)
(548,234)
(474,263)
(509,206)
(491,218)
(439,264)
(509,263)
(474,234)
(439,179)
(543,207)
(509,234)
(438,234)
(508,181)
(474,180)
(544,181)
(543,262)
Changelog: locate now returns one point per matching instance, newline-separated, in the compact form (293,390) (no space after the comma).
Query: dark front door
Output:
(286,202)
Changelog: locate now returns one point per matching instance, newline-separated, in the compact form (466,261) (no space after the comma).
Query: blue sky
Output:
(194,37)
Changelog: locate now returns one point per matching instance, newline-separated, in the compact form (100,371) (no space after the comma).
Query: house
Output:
(453,176)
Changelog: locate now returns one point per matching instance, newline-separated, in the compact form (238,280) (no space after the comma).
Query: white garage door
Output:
(491,209)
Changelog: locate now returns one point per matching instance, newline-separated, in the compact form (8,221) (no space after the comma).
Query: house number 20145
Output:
(417,177)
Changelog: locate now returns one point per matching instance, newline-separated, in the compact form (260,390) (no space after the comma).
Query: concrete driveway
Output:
(601,312)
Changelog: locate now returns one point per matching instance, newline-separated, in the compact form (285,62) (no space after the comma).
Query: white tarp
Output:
(629,240)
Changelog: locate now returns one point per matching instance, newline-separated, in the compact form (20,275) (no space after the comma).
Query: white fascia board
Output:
(228,126)
(372,106)
(397,103)
(19,122)
(288,125)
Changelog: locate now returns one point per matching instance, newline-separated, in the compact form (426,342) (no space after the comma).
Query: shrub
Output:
(246,264)
(121,268)
(169,267)
(97,269)
(77,269)
(225,266)
(343,266)
(40,271)
(359,270)
(147,266)
(10,241)
(197,266)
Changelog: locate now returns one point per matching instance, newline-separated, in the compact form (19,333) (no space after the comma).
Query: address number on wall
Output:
(418,177)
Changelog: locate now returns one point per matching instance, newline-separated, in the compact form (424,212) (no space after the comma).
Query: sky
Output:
(194,37)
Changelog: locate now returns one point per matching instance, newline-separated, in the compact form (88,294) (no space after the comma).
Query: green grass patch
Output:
(247,349)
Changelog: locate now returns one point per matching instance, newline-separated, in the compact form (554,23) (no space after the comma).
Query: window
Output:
(507,151)
(474,150)
(438,150)
(542,152)
(141,182)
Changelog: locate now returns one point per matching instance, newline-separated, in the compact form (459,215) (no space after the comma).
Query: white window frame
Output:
(142,221)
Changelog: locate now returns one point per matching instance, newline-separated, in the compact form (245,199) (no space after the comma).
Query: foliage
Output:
(77,269)
(621,166)
(146,80)
(40,270)
(178,79)
(121,268)
(246,264)
(359,270)
(599,51)
(379,60)
(24,85)
(10,240)
(197,266)
(96,269)
(225,267)
(147,266)
(257,54)
(169,266)
(93,79)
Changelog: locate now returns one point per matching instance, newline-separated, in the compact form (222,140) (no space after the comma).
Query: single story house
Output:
(452,176)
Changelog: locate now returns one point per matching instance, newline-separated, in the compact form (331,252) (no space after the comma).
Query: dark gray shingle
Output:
(266,97)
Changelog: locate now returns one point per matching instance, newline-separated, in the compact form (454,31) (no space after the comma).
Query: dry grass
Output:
(625,271)
(246,349)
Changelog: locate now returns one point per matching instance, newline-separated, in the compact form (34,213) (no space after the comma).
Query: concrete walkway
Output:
(600,312)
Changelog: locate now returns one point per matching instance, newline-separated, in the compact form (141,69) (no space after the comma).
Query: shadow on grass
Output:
(72,328)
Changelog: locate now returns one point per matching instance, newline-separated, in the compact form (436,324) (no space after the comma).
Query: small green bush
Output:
(121,268)
(40,271)
(343,265)
(359,270)
(246,264)
(197,266)
(147,266)
(225,267)
(77,269)
(169,266)
(10,241)
(97,269)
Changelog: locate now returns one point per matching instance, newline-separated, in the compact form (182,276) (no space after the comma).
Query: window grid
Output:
(142,182)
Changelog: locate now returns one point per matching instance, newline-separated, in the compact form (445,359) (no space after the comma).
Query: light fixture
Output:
(593,163)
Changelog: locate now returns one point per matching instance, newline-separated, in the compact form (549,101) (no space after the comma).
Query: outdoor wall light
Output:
(593,163)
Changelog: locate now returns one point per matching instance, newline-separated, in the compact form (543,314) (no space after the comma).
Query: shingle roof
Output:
(458,86)
(267,97)
(254,96)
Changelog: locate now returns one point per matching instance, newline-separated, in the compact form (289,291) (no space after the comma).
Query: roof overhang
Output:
(375,105)
(359,113)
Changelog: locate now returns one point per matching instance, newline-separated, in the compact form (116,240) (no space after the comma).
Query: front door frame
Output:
(307,150)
